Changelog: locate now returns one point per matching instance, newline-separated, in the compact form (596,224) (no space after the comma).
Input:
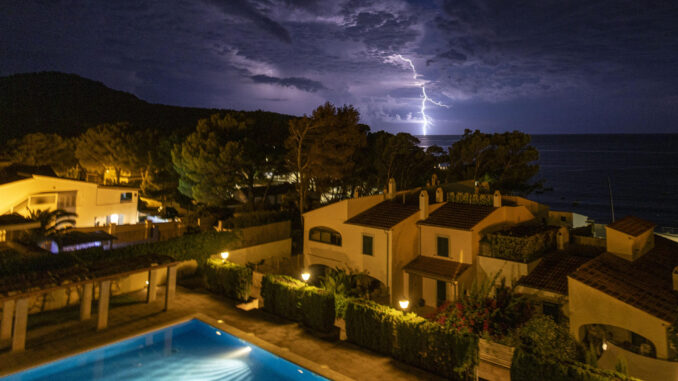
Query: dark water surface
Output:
(643,171)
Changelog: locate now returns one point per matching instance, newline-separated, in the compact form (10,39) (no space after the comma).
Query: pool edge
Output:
(285,353)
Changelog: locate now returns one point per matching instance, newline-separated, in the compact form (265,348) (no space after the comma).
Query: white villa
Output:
(25,188)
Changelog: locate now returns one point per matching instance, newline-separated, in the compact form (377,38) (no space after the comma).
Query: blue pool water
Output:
(188,351)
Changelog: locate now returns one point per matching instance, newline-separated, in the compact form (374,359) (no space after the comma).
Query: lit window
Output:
(3,235)
(368,245)
(126,197)
(325,235)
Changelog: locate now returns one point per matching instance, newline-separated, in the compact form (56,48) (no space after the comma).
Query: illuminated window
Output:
(126,197)
(3,235)
(325,235)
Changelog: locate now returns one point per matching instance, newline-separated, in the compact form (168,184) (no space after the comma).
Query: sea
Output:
(580,172)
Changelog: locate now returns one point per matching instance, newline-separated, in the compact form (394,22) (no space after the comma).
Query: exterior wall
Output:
(92,202)
(275,249)
(627,246)
(639,366)
(404,249)
(590,306)
(510,270)
(460,243)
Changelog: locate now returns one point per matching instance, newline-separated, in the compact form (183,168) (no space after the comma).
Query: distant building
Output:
(13,225)
(25,188)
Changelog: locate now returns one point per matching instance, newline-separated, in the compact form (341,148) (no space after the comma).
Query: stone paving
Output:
(54,341)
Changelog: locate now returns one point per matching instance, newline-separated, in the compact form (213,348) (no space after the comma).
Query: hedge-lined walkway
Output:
(53,341)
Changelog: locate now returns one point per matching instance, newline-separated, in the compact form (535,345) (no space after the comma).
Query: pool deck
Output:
(51,342)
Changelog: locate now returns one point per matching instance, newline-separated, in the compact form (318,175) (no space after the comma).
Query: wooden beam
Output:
(20,324)
(7,319)
(171,286)
(152,286)
(104,300)
(86,301)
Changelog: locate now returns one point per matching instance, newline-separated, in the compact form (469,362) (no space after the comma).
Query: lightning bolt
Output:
(427,121)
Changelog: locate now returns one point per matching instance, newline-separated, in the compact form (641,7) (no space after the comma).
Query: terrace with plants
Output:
(522,243)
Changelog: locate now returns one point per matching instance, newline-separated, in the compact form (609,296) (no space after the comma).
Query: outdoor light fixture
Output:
(147,283)
(305,276)
(404,304)
(604,346)
(224,255)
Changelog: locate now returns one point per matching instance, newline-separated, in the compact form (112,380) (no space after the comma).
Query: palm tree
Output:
(51,221)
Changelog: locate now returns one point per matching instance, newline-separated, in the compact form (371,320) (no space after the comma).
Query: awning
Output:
(436,268)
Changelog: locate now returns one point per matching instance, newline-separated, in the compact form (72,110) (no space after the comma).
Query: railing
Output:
(668,230)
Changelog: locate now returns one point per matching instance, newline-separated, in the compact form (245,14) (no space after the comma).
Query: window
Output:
(563,218)
(368,245)
(3,235)
(552,310)
(40,200)
(126,197)
(325,235)
(443,246)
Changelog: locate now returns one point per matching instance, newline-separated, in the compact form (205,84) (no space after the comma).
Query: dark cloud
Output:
(540,66)
(244,9)
(304,84)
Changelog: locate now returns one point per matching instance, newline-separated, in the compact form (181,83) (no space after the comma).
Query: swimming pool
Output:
(192,350)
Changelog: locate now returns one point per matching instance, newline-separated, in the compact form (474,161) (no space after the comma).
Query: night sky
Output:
(540,66)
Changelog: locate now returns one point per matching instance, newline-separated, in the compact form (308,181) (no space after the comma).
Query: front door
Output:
(442,292)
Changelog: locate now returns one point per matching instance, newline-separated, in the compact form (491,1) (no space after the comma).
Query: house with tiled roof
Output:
(376,234)
(449,242)
(627,299)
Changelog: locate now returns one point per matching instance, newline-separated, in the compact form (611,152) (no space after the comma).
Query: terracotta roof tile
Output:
(551,273)
(458,216)
(646,283)
(632,225)
(384,215)
(436,268)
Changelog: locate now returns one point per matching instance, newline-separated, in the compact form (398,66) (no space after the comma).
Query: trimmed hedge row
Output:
(412,339)
(527,367)
(294,300)
(228,279)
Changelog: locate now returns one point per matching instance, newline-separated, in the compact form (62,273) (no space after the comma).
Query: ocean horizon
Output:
(642,171)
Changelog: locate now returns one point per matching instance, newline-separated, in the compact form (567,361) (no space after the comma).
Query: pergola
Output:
(16,291)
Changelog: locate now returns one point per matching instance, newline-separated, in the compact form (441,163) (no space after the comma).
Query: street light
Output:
(604,346)
(404,304)
(305,276)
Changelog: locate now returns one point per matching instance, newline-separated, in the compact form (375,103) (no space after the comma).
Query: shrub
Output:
(294,300)
(438,349)
(228,279)
(257,218)
(371,325)
(520,245)
(340,304)
(546,351)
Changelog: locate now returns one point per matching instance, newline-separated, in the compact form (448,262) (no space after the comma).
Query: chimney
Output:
(496,200)
(391,189)
(434,180)
(675,278)
(356,192)
(423,205)
(562,238)
(439,194)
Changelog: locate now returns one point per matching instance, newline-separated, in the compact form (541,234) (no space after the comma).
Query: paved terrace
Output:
(50,342)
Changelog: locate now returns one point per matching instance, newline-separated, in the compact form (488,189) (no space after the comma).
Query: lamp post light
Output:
(604,346)
(404,304)
(305,276)
(224,256)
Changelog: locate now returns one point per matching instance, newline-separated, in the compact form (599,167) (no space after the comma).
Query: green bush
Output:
(228,279)
(294,300)
(340,304)
(371,325)
(433,347)
(521,248)
(257,218)
(546,351)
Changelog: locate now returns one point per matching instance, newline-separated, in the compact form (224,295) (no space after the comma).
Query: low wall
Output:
(140,232)
(494,361)
(132,283)
(264,251)
(589,241)
(255,235)
(645,368)
(510,270)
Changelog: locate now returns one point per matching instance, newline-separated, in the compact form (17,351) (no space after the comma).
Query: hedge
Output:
(527,367)
(411,339)
(470,198)
(371,325)
(189,246)
(228,279)
(294,300)
(521,249)
(433,347)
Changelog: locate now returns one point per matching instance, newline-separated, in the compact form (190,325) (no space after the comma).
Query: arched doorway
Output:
(596,335)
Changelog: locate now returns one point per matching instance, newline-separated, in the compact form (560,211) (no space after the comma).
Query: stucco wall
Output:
(254,254)
(590,306)
(510,270)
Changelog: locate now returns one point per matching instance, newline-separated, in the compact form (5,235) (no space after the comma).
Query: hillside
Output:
(69,104)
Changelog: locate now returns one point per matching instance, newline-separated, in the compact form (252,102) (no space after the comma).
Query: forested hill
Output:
(68,104)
